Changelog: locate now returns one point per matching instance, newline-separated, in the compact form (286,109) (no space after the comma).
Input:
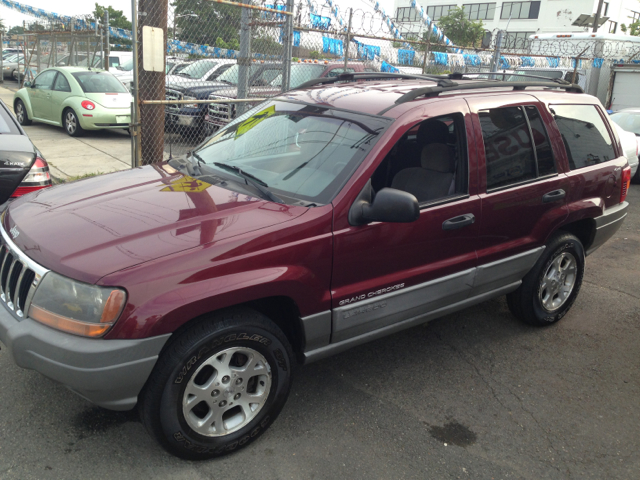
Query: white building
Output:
(521,19)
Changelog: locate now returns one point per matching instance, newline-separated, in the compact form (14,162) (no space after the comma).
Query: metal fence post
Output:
(1,47)
(426,53)
(244,60)
(288,48)
(135,109)
(107,46)
(496,57)
(151,86)
(346,47)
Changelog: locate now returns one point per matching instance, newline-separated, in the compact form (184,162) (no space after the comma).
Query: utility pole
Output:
(597,19)
(107,47)
(288,48)
(496,57)
(151,13)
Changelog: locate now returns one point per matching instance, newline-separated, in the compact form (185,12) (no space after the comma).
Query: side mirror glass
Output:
(388,205)
(26,84)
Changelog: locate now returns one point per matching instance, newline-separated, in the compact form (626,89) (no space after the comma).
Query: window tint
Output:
(429,161)
(507,146)
(338,71)
(99,82)
(61,84)
(45,79)
(7,125)
(544,154)
(114,62)
(584,134)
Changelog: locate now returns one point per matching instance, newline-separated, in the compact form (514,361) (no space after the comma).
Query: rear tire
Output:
(549,289)
(21,113)
(238,356)
(72,123)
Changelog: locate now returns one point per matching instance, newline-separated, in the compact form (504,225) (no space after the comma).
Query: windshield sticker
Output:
(252,121)
(186,184)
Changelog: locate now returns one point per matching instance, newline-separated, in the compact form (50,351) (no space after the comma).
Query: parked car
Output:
(10,52)
(263,85)
(628,120)
(197,73)
(118,58)
(10,65)
(23,169)
(75,98)
(334,215)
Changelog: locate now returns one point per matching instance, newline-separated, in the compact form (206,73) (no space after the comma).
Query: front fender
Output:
(24,96)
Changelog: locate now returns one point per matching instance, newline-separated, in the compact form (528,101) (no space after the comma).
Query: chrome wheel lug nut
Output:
(215,393)
(225,379)
(222,403)
(238,381)
(237,396)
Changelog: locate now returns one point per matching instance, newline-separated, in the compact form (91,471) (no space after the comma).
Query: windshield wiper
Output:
(260,185)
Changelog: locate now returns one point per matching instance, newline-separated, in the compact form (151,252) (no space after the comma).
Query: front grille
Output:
(173,95)
(220,112)
(15,280)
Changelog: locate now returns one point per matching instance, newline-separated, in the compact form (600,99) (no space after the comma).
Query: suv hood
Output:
(94,227)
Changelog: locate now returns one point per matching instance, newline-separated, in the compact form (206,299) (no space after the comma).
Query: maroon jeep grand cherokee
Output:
(330,216)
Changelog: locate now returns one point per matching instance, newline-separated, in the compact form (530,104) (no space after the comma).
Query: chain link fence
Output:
(220,57)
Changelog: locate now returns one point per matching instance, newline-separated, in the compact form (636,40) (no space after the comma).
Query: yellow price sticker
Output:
(186,184)
(252,121)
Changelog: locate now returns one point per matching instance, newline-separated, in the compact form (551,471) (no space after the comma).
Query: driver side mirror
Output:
(388,205)
(27,84)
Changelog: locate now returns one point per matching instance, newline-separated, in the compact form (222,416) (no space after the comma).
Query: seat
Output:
(430,131)
(433,179)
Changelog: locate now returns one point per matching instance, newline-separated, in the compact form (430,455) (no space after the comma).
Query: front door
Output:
(40,94)
(388,273)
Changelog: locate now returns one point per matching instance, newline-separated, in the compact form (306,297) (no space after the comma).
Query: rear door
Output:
(17,154)
(523,192)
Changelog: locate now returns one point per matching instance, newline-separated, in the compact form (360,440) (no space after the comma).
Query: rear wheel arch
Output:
(584,230)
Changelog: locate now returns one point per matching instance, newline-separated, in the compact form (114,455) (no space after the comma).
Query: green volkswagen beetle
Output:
(76,98)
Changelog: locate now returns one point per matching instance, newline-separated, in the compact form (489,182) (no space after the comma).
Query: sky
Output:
(81,7)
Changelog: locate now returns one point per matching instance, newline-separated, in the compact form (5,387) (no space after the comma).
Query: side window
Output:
(510,154)
(584,134)
(61,84)
(429,161)
(44,80)
(114,62)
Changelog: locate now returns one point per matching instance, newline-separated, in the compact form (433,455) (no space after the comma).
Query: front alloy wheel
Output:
(218,385)
(21,113)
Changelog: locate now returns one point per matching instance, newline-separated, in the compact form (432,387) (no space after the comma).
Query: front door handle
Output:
(458,222)
(554,196)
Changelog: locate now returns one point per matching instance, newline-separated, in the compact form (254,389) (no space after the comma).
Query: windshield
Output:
(629,121)
(126,66)
(300,73)
(99,82)
(198,70)
(302,152)
(231,74)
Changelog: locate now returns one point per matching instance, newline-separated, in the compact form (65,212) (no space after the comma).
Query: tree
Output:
(203,22)
(2,27)
(632,28)
(17,30)
(116,17)
(460,30)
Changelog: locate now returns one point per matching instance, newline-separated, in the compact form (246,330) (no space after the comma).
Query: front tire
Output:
(21,113)
(552,285)
(218,385)
(72,123)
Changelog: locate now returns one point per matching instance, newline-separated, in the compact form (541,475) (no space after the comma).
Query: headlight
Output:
(75,307)
(190,105)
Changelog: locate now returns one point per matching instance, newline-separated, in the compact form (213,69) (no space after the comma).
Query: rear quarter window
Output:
(584,134)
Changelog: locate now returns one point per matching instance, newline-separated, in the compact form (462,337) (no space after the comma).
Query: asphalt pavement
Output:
(473,395)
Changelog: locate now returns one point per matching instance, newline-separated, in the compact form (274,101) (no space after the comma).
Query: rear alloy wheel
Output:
(552,285)
(72,124)
(218,385)
(21,113)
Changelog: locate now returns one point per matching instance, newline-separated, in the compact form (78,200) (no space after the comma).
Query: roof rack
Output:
(449,85)
(353,76)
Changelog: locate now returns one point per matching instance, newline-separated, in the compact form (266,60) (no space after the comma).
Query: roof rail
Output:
(474,76)
(350,77)
(452,86)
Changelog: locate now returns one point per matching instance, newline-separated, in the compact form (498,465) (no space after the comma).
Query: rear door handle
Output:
(458,222)
(554,196)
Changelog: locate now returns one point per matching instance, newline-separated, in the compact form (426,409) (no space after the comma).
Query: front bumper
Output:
(607,225)
(109,373)
(184,121)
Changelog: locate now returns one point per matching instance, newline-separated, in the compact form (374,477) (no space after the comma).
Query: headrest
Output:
(437,157)
(432,131)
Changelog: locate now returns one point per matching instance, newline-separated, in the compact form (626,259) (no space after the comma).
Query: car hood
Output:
(94,227)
